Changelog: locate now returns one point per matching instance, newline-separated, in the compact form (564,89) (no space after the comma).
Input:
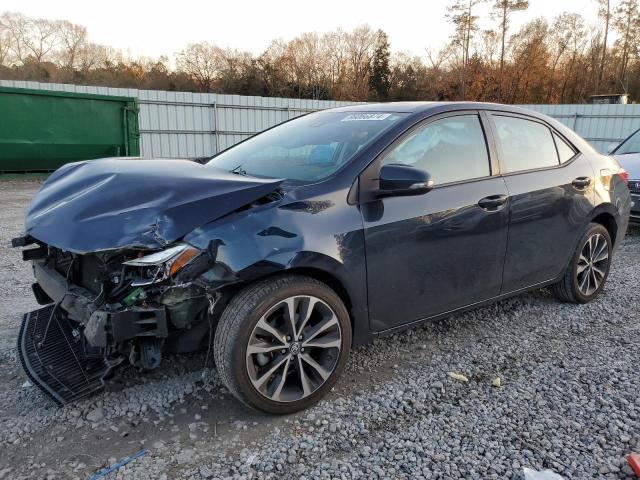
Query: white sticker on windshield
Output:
(354,117)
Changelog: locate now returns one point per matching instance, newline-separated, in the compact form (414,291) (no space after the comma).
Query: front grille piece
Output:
(54,358)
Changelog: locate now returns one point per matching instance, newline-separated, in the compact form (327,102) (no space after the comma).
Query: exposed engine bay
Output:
(111,307)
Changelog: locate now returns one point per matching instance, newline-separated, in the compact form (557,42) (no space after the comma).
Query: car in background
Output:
(325,232)
(628,155)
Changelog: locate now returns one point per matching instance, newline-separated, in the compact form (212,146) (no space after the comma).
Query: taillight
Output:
(624,175)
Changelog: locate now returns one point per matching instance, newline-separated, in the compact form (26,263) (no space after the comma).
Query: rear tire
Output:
(588,270)
(282,343)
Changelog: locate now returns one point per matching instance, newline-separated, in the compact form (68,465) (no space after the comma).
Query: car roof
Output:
(423,107)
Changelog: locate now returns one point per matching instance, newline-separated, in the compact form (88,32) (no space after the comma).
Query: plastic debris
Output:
(634,462)
(540,475)
(497,382)
(458,376)
(106,471)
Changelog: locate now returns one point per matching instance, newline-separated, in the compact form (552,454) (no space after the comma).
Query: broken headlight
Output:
(159,266)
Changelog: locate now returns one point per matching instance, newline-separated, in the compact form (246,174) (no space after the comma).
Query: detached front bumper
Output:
(56,359)
(68,347)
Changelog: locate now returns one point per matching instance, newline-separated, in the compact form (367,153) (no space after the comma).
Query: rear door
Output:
(432,253)
(550,186)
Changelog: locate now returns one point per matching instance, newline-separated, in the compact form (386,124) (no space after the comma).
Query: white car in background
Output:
(628,155)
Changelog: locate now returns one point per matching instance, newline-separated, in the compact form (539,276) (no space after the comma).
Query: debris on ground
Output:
(541,475)
(497,382)
(106,471)
(458,376)
(634,462)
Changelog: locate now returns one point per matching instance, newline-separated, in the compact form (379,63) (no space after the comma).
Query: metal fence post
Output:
(216,130)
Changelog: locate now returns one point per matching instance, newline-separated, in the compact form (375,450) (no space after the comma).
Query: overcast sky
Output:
(154,28)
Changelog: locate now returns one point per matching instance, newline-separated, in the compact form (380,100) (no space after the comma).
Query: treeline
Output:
(559,61)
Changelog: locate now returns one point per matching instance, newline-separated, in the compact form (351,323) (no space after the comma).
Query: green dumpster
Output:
(41,130)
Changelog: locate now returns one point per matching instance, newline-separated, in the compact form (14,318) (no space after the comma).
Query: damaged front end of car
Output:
(103,309)
(117,282)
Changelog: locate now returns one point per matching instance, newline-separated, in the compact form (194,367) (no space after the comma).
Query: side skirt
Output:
(465,308)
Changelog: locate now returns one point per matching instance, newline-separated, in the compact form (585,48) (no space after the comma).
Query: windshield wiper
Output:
(239,171)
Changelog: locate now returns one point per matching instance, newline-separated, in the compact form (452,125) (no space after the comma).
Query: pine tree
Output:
(380,78)
(466,24)
(502,9)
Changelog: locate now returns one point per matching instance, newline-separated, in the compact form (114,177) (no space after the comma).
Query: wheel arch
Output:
(321,268)
(606,215)
(359,322)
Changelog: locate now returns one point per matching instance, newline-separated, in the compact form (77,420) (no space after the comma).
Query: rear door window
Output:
(526,145)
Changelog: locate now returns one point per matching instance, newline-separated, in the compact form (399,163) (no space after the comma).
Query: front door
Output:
(436,252)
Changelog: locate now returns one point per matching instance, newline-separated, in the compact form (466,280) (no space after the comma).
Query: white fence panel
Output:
(195,125)
(600,125)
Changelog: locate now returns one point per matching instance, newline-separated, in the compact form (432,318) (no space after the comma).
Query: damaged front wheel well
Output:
(316,273)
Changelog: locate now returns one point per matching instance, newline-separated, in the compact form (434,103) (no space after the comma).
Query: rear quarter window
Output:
(565,151)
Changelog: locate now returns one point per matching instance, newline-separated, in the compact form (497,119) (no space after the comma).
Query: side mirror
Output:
(612,146)
(402,180)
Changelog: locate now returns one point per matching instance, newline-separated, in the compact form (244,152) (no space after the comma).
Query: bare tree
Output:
(561,34)
(360,48)
(5,43)
(626,20)
(17,26)
(202,61)
(529,62)
(577,41)
(604,12)
(466,24)
(40,38)
(334,45)
(72,39)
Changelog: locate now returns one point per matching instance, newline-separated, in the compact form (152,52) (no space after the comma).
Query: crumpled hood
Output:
(115,203)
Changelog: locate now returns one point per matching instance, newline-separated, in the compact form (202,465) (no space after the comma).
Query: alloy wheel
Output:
(293,348)
(593,264)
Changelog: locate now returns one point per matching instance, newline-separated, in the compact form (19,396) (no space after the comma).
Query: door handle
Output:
(492,202)
(581,183)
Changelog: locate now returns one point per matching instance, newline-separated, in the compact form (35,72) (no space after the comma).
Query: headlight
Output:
(168,262)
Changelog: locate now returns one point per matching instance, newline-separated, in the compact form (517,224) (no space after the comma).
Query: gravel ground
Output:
(568,399)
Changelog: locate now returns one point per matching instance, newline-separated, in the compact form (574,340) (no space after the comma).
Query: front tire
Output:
(588,270)
(282,343)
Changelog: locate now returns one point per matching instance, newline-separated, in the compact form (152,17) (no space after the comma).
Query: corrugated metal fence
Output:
(193,125)
(601,125)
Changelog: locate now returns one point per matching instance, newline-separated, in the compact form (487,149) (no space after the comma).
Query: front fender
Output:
(318,234)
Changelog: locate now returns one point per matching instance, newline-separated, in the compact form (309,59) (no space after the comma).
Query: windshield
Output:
(308,148)
(630,145)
